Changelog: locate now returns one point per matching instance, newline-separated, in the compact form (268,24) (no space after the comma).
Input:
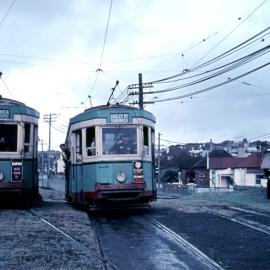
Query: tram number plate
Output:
(16,171)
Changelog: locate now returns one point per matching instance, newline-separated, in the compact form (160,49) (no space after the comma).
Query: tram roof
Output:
(104,111)
(17,107)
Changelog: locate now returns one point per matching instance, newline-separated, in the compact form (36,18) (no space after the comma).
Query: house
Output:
(265,166)
(201,173)
(185,168)
(231,171)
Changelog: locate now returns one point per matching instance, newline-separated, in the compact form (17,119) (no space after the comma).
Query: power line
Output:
(106,34)
(7,12)
(260,136)
(103,49)
(59,130)
(169,141)
(222,40)
(226,68)
(236,48)
(214,86)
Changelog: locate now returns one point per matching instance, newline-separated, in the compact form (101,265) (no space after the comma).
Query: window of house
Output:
(258,179)
(8,138)
(90,141)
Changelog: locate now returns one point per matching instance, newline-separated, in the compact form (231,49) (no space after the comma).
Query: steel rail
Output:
(208,261)
(104,262)
(248,211)
(245,222)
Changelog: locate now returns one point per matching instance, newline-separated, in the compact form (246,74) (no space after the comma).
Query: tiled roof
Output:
(252,161)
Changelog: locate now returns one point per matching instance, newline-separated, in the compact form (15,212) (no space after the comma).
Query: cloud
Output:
(65,40)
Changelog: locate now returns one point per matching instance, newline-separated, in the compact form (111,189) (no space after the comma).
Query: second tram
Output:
(18,148)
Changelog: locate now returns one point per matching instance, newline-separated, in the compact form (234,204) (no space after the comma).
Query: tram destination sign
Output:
(4,113)
(119,118)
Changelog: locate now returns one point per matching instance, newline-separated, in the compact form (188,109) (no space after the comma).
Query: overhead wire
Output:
(7,12)
(226,68)
(233,30)
(260,136)
(236,48)
(99,70)
(214,86)
(57,129)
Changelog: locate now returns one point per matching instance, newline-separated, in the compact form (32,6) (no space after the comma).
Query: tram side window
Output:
(145,141)
(153,144)
(78,141)
(27,130)
(8,138)
(90,141)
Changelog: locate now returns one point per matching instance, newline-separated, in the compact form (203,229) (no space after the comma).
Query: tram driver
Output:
(124,145)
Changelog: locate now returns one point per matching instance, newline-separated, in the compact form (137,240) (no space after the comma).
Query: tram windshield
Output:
(8,138)
(119,141)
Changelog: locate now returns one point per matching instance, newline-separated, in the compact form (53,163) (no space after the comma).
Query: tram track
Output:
(208,261)
(131,230)
(244,221)
(106,264)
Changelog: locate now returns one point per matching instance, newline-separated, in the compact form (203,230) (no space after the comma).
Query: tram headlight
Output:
(1,176)
(121,177)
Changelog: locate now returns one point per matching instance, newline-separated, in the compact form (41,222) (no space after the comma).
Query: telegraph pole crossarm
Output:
(139,86)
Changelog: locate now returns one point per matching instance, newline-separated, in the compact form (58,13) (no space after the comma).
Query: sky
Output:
(55,54)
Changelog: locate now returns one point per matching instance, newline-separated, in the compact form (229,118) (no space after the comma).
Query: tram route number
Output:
(16,171)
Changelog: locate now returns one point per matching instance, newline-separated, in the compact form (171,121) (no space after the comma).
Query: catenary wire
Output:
(238,63)
(214,86)
(234,29)
(7,12)
(99,70)
(217,58)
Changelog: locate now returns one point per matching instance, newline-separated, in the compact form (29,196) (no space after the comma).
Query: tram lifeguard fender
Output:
(120,187)
(12,185)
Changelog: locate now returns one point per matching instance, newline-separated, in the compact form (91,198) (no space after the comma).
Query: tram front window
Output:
(119,141)
(8,138)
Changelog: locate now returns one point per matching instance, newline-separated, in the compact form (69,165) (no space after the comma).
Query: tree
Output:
(170,176)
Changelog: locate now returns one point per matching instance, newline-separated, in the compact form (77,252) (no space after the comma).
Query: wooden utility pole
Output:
(159,160)
(140,92)
(49,118)
(42,162)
